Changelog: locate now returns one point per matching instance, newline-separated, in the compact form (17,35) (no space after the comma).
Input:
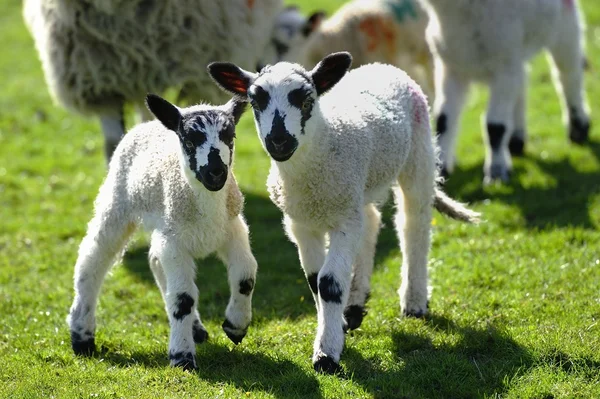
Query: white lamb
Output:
(98,55)
(387,31)
(173,176)
(334,158)
(491,41)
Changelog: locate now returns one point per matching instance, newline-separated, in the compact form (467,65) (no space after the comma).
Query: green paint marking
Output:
(403,9)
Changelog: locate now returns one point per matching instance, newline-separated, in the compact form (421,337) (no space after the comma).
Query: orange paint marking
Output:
(379,30)
(250,3)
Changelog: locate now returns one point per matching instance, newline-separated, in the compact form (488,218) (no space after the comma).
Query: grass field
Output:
(515,307)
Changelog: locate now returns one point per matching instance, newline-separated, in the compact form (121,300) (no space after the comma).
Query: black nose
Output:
(279,142)
(216,173)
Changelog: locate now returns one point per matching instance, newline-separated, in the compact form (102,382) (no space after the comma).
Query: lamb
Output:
(172,176)
(387,31)
(98,55)
(491,41)
(334,158)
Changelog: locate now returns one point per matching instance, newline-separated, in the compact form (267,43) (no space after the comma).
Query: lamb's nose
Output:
(279,142)
(215,174)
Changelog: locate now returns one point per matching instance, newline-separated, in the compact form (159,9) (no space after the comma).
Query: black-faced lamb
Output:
(334,158)
(387,31)
(490,41)
(173,177)
(98,55)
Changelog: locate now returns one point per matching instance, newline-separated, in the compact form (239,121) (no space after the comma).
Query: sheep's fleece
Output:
(96,52)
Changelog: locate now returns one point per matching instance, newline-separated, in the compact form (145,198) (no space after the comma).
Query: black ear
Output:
(313,22)
(231,77)
(330,70)
(165,112)
(236,107)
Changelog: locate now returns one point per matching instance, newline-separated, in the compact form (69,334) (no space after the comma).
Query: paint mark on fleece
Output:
(419,105)
(250,3)
(379,30)
(406,9)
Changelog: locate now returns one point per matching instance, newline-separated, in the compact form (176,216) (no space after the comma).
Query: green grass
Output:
(515,303)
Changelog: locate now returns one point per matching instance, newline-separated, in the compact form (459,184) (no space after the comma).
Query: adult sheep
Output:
(98,55)
(335,156)
(387,31)
(490,41)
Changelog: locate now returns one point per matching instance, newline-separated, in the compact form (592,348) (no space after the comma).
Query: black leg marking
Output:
(246,286)
(83,346)
(185,360)
(236,335)
(579,129)
(327,365)
(312,282)
(354,315)
(184,304)
(200,334)
(330,289)
(516,145)
(495,132)
(441,125)
(418,314)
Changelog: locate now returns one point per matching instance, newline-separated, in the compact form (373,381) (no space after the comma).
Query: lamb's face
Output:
(283,97)
(206,139)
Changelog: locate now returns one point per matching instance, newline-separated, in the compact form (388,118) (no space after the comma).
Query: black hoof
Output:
(184,360)
(516,146)
(415,313)
(82,347)
(200,334)
(497,174)
(579,131)
(326,365)
(444,173)
(354,315)
(236,335)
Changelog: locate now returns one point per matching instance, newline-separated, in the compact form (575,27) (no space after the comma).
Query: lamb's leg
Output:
(198,329)
(311,248)
(414,204)
(104,240)
(334,288)
(181,297)
(516,145)
(450,94)
(362,270)
(241,272)
(505,89)
(113,128)
(569,60)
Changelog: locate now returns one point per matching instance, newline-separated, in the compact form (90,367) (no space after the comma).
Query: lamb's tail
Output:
(454,209)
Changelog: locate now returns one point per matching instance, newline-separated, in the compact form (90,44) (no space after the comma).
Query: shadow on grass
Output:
(565,203)
(477,363)
(281,289)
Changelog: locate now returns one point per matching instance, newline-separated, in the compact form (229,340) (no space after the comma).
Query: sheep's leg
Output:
(113,127)
(311,248)
(334,288)
(105,239)
(362,270)
(181,296)
(516,145)
(414,204)
(241,272)
(569,60)
(199,331)
(505,89)
(450,94)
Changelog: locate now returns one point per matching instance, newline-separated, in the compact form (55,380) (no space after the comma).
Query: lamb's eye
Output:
(189,144)
(306,104)
(253,103)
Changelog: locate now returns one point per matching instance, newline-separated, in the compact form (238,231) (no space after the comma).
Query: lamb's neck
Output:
(202,195)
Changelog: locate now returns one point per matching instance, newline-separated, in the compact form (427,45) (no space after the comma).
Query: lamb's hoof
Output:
(417,313)
(579,131)
(236,335)
(326,365)
(354,315)
(516,146)
(497,173)
(82,347)
(200,334)
(185,360)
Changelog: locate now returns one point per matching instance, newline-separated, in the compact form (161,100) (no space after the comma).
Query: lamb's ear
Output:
(236,107)
(165,112)
(330,70)
(231,77)
(313,22)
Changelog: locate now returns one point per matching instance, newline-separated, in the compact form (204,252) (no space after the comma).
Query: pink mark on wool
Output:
(569,3)
(419,104)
